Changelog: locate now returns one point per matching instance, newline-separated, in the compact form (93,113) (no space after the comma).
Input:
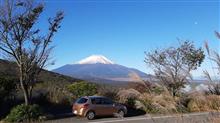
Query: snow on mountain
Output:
(95,59)
(98,68)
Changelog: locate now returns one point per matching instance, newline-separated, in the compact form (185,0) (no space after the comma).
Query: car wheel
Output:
(121,113)
(90,115)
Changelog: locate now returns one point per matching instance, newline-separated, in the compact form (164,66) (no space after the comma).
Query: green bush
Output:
(7,87)
(182,103)
(24,112)
(80,89)
(53,92)
(182,109)
(157,90)
(130,102)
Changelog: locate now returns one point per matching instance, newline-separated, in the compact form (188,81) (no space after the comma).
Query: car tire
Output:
(90,115)
(121,113)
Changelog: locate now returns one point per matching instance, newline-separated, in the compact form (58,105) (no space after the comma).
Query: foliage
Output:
(7,87)
(130,102)
(23,113)
(157,89)
(182,103)
(80,89)
(22,42)
(172,66)
(54,92)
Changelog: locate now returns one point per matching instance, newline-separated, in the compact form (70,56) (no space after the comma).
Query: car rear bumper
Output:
(80,112)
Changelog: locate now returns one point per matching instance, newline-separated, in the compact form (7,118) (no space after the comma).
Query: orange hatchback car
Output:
(92,106)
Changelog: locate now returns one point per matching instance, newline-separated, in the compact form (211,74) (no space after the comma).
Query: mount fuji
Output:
(98,68)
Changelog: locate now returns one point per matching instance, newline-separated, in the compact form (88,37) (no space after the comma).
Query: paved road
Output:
(205,117)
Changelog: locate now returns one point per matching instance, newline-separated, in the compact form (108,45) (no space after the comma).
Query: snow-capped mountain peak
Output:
(95,59)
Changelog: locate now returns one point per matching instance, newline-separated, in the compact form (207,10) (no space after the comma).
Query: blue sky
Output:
(122,30)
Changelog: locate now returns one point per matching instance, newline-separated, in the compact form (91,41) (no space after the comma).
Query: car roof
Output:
(95,97)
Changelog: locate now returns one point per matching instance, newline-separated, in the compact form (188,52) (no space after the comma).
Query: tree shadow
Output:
(54,110)
(7,105)
(132,112)
(61,112)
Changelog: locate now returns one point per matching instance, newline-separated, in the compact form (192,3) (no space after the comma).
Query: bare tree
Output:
(172,66)
(214,85)
(20,39)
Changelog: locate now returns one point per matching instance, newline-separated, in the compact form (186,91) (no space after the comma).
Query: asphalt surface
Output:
(205,117)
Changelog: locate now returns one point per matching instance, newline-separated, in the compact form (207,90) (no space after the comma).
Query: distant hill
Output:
(98,68)
(10,69)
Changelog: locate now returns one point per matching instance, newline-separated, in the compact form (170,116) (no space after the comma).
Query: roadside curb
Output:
(183,115)
(149,117)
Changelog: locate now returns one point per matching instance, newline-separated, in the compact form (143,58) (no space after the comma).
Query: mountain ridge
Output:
(99,71)
(10,69)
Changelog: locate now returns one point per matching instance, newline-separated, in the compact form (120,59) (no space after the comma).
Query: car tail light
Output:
(85,105)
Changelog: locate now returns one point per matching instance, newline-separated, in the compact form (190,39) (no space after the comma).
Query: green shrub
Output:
(130,102)
(7,87)
(157,90)
(53,92)
(24,112)
(182,109)
(80,89)
(182,104)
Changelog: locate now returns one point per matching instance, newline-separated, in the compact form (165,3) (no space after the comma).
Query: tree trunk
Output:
(24,88)
(30,94)
(25,92)
(174,92)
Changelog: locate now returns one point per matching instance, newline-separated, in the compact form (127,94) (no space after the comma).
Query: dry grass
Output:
(126,94)
(164,103)
(201,102)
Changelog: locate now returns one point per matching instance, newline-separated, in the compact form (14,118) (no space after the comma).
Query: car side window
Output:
(96,101)
(93,101)
(107,101)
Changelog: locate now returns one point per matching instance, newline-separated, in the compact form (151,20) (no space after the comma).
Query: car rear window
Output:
(81,100)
